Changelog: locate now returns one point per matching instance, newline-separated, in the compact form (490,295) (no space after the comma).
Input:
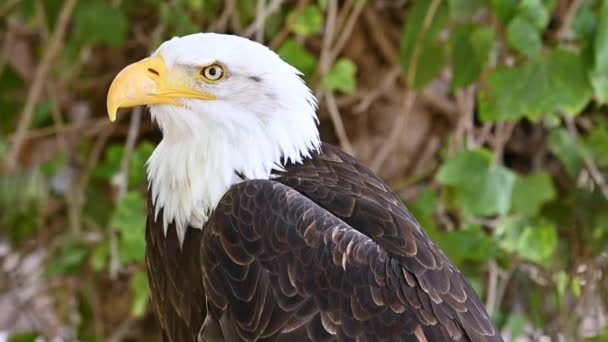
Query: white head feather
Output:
(263,115)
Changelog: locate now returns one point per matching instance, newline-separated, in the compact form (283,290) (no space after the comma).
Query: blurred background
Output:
(487,117)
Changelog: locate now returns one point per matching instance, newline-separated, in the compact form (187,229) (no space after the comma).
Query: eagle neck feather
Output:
(201,157)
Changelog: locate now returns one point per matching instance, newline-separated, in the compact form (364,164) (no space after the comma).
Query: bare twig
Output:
(35,91)
(400,124)
(7,6)
(465,100)
(410,94)
(492,287)
(385,46)
(565,30)
(122,179)
(328,37)
(387,82)
(123,330)
(263,12)
(88,127)
(503,133)
(336,119)
(77,192)
(590,164)
(121,182)
(280,37)
(222,23)
(56,116)
(347,30)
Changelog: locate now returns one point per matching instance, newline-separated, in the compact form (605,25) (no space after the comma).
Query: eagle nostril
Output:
(152,71)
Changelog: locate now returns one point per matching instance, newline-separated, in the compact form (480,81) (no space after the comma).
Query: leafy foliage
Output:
(515,194)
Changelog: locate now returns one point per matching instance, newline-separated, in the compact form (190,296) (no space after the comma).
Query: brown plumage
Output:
(323,252)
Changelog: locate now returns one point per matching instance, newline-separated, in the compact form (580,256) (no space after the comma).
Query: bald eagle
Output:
(256,230)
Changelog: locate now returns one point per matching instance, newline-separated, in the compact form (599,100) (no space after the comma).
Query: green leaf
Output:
(196,5)
(536,11)
(481,188)
(561,279)
(599,75)
(462,9)
(129,218)
(420,47)
(471,45)
(532,239)
(585,21)
(538,243)
(141,293)
(504,9)
(531,192)
(26,336)
(307,21)
(99,257)
(422,208)
(341,76)
(294,54)
(3,147)
(565,147)
(175,18)
(524,37)
(137,163)
(246,10)
(516,324)
(468,244)
(576,287)
(97,22)
(596,143)
(274,23)
(553,83)
(113,157)
(68,260)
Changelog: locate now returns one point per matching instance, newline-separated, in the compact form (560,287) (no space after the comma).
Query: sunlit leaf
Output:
(530,192)
(307,21)
(599,75)
(27,336)
(96,21)
(565,147)
(553,83)
(561,279)
(516,324)
(597,144)
(341,76)
(129,219)
(536,11)
(532,239)
(504,9)
(420,50)
(471,45)
(576,286)
(99,257)
(470,243)
(141,293)
(481,188)
(69,259)
(524,37)
(299,57)
(460,9)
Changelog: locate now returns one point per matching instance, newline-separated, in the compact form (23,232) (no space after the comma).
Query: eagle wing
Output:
(330,254)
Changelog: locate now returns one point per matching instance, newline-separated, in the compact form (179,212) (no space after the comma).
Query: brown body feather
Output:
(323,252)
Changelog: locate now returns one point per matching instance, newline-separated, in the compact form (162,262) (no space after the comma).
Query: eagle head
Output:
(226,106)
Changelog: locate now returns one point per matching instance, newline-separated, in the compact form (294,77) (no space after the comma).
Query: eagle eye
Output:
(214,72)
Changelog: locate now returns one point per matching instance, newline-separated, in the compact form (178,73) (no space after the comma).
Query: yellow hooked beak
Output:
(148,82)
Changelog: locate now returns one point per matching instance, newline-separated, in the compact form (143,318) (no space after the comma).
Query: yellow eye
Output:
(213,72)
